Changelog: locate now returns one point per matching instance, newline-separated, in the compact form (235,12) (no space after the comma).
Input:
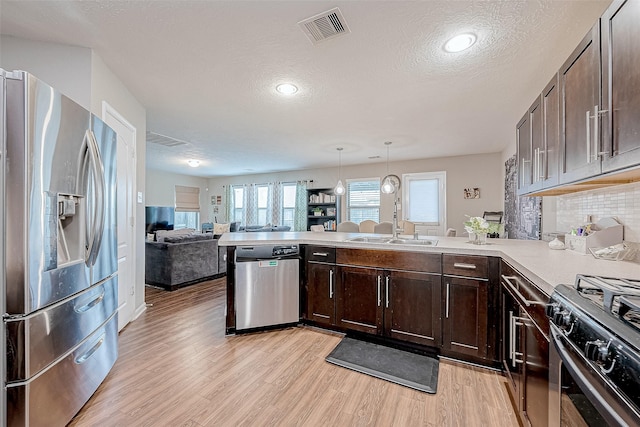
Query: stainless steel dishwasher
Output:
(267,286)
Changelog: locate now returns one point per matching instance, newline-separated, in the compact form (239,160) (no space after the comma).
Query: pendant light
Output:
(339,190)
(389,182)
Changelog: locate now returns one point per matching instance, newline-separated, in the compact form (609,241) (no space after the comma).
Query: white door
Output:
(126,164)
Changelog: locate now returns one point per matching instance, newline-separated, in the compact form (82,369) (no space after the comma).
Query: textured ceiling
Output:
(206,72)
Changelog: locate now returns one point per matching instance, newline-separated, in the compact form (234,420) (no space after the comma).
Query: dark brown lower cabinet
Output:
(466,316)
(526,347)
(398,304)
(360,299)
(321,307)
(412,307)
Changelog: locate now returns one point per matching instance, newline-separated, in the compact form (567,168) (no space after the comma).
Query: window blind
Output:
(187,199)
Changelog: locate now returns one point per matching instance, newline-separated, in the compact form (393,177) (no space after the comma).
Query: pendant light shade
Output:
(339,189)
(390,183)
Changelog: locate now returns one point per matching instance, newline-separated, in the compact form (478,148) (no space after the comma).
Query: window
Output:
(237,193)
(288,204)
(363,200)
(424,199)
(187,203)
(263,203)
(186,220)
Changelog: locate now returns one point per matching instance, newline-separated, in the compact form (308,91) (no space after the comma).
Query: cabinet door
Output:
(551,133)
(580,82)
(321,292)
(412,307)
(465,316)
(360,299)
(536,374)
(621,84)
(523,145)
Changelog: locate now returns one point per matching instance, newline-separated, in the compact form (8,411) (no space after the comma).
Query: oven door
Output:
(580,394)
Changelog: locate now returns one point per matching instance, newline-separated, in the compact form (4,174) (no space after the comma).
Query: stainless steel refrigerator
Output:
(58,251)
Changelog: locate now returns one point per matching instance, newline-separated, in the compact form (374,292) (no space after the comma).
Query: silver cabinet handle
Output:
(464,265)
(447,304)
(515,290)
(588,129)
(596,137)
(386,282)
(536,174)
(320,254)
(513,324)
(542,162)
(330,283)
(379,280)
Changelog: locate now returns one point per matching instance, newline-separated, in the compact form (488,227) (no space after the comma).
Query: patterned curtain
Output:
(300,218)
(251,205)
(228,196)
(274,207)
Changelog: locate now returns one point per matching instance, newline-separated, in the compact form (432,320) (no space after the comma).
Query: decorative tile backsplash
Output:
(621,202)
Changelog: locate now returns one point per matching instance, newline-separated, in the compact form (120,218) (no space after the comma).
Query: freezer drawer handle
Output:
(86,307)
(87,354)
(320,254)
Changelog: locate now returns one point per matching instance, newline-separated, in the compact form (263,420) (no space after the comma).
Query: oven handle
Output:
(585,385)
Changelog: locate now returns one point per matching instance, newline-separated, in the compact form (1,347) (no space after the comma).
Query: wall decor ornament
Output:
(472,193)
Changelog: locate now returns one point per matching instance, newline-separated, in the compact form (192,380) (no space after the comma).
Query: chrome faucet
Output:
(394,227)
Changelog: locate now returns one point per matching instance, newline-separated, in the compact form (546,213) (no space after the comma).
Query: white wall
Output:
(161,190)
(105,86)
(483,171)
(66,68)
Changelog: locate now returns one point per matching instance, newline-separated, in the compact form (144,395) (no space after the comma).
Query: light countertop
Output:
(533,258)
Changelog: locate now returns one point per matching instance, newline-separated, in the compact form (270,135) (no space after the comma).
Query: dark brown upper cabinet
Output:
(581,110)
(620,34)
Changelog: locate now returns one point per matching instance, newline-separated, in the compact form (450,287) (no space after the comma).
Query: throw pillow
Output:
(221,228)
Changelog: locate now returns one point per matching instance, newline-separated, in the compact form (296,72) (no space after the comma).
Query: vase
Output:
(478,238)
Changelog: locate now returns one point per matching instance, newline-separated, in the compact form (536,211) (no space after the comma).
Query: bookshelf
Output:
(323,208)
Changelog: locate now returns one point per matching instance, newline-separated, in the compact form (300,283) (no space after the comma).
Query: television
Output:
(159,218)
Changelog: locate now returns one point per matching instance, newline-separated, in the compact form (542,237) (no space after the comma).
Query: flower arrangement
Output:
(479,225)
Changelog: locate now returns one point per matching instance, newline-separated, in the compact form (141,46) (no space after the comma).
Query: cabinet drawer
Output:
(395,260)
(466,265)
(321,254)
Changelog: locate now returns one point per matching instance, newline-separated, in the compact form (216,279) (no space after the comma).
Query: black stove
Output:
(596,322)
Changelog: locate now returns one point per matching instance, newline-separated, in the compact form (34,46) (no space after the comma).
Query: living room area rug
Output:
(401,367)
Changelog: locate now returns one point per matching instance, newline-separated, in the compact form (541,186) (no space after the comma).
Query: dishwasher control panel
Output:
(248,253)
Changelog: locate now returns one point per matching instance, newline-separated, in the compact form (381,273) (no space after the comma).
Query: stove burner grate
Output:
(605,292)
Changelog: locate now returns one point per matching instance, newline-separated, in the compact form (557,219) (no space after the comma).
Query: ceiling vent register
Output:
(324,26)
(166,141)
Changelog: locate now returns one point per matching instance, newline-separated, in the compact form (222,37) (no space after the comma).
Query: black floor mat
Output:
(400,367)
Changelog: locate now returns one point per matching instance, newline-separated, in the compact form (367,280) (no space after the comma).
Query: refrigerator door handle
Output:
(91,167)
(100,198)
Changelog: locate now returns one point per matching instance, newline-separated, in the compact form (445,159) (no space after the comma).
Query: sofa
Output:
(183,260)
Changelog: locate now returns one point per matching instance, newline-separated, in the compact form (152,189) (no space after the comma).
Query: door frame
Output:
(108,112)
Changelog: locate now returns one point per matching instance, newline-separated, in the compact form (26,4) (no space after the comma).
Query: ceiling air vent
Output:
(166,141)
(323,26)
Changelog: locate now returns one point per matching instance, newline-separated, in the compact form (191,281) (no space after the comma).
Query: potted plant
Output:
(317,211)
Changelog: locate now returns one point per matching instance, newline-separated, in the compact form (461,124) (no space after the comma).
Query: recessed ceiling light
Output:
(286,88)
(460,42)
(193,163)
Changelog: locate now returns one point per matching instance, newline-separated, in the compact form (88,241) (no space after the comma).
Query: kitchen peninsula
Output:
(546,268)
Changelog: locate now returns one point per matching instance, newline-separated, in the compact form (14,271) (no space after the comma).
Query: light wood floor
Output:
(177,368)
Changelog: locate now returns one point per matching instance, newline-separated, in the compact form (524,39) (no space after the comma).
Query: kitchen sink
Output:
(415,242)
(425,242)
(369,239)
